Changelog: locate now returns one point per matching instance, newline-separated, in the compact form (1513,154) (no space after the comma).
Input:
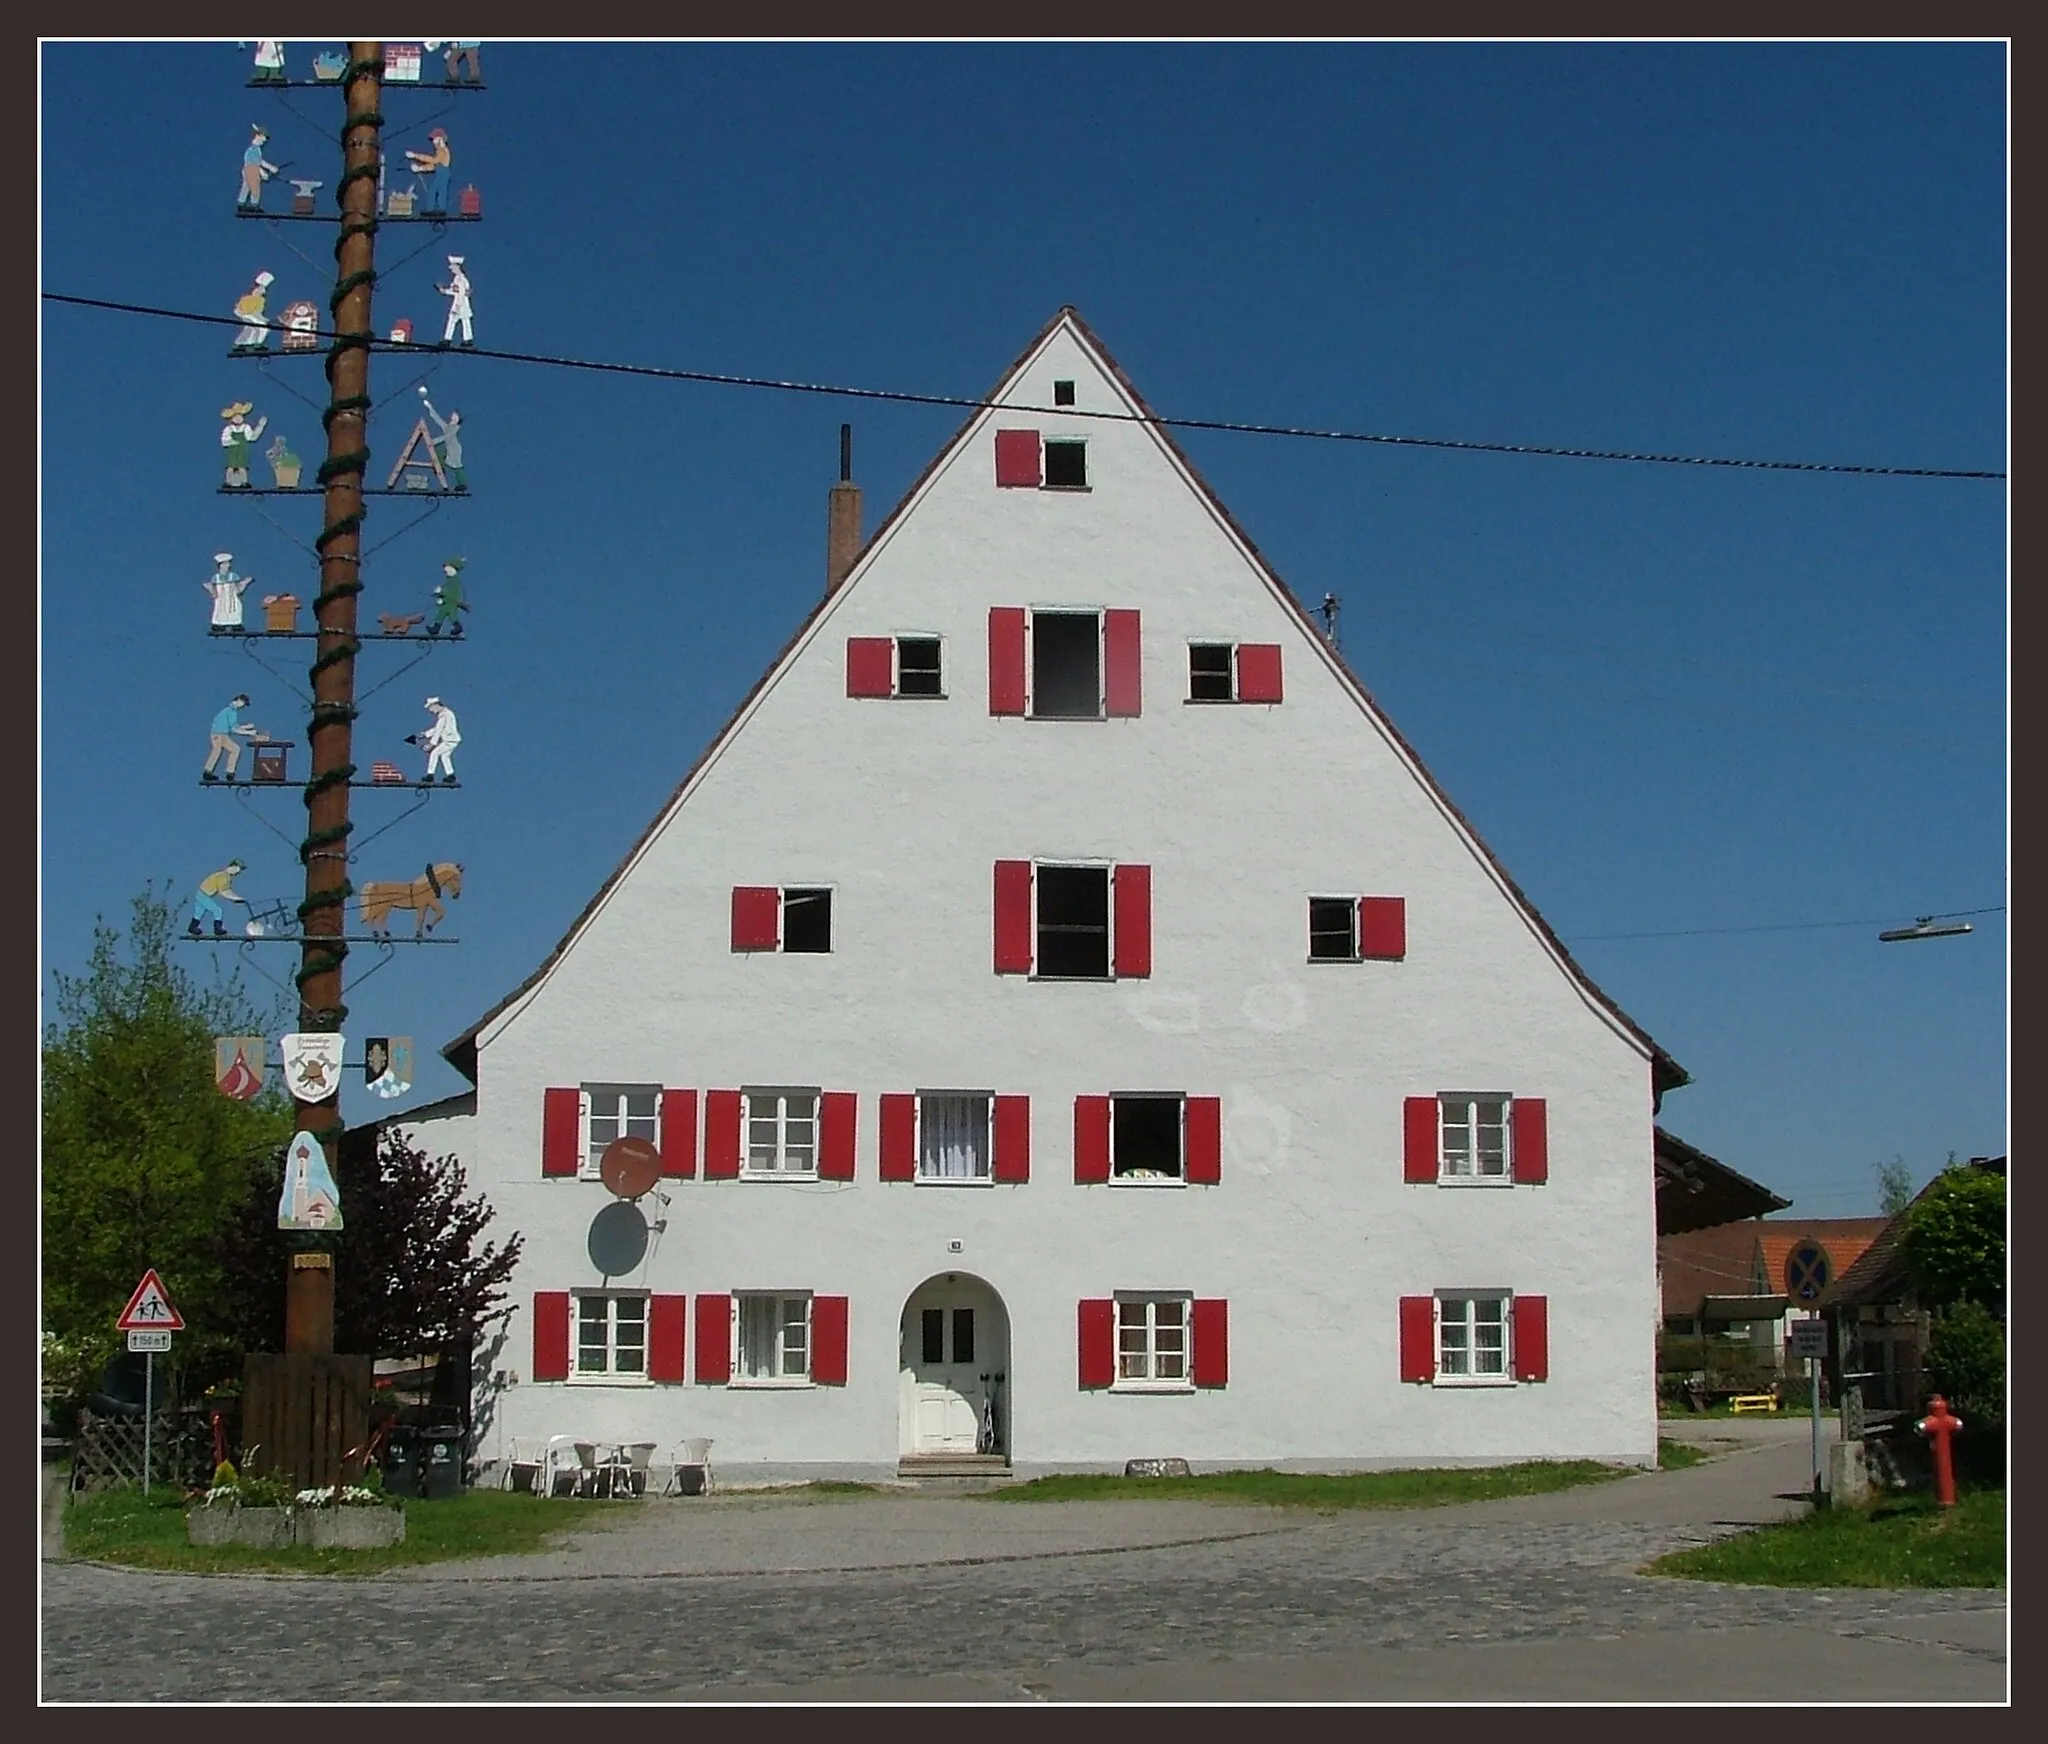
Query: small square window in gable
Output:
(807,920)
(917,666)
(1333,929)
(1063,393)
(1210,676)
(1066,464)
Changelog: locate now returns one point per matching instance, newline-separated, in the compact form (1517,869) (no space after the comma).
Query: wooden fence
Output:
(303,1414)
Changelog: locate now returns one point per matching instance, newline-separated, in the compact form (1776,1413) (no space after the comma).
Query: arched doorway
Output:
(954,1370)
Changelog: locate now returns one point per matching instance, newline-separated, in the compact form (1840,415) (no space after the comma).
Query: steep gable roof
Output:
(1696,1191)
(1666,1072)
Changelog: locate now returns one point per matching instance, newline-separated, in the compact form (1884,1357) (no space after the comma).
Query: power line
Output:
(1796,926)
(902,397)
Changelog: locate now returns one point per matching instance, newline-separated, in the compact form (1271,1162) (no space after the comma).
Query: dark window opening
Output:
(1073,921)
(1066,665)
(1066,465)
(1145,1136)
(807,920)
(1332,928)
(1209,673)
(917,666)
(1063,393)
(933,1328)
(963,1335)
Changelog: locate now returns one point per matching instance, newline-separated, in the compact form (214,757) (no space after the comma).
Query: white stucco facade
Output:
(902,806)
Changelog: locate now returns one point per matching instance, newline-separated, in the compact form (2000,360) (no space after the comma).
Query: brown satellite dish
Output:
(630,1166)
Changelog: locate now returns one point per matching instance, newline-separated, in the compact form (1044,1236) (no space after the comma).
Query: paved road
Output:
(951,1599)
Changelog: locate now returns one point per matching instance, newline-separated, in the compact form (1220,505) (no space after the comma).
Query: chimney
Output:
(842,518)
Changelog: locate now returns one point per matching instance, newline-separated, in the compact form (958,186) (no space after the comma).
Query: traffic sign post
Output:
(1810,1340)
(149,1320)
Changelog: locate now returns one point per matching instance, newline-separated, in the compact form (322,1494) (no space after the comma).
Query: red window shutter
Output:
(721,1134)
(1091,1138)
(899,1138)
(1017,458)
(1419,1155)
(1133,920)
(714,1340)
(561,1132)
(828,1340)
(1013,917)
(1530,1117)
(1006,660)
(1532,1338)
(1123,665)
(1205,1140)
(1258,672)
(665,1338)
(1097,1342)
(679,1135)
(870,665)
(1212,1342)
(1383,926)
(551,1335)
(756,913)
(1013,1138)
(838,1112)
(1418,1338)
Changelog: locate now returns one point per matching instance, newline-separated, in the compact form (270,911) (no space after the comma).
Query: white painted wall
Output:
(1242,812)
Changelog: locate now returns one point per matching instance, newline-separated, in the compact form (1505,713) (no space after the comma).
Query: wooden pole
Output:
(309,1294)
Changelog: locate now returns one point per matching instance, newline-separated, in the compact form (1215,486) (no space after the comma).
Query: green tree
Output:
(1966,1365)
(144,1161)
(1953,1244)
(1894,1186)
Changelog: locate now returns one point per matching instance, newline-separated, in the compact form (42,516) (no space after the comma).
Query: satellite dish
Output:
(630,1167)
(618,1239)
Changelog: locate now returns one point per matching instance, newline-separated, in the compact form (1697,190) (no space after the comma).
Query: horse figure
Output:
(423,896)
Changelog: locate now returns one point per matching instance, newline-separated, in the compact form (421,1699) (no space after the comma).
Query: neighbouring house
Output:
(1059,1020)
(1731,1292)
(1880,1327)
(1696,1191)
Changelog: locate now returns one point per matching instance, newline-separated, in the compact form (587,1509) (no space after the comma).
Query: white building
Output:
(1073,1026)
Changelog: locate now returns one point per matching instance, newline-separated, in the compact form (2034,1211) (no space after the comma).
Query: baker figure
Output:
(456,290)
(439,742)
(225,588)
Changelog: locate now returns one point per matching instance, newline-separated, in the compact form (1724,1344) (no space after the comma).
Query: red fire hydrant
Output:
(1938,1425)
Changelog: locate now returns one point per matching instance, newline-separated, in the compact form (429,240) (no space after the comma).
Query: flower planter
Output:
(214,1525)
(287,477)
(351,1528)
(259,1528)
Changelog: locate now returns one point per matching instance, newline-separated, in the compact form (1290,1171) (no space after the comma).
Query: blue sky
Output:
(1672,700)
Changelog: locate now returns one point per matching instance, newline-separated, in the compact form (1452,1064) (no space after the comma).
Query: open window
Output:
(1234,672)
(796,918)
(1146,1138)
(904,665)
(1066,665)
(1332,929)
(1073,922)
(1066,463)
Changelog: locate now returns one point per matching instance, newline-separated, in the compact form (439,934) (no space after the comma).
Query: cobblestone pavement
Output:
(1490,1602)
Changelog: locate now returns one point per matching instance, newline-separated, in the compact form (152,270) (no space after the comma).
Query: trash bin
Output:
(441,1462)
(402,1461)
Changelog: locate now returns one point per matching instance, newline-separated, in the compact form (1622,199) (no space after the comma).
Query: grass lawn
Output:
(121,1526)
(1904,1541)
(1323,1490)
(1677,1455)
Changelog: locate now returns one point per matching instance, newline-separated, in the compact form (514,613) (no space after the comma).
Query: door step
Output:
(954,1471)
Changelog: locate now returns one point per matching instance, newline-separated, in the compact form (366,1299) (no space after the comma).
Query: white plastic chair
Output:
(569,1466)
(523,1465)
(634,1458)
(693,1454)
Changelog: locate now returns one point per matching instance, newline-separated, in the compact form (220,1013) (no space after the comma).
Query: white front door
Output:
(945,1337)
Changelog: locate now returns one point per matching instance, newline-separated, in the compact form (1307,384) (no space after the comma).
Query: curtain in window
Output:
(954,1145)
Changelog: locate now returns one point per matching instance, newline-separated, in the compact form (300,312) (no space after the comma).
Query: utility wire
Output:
(904,398)
(1797,926)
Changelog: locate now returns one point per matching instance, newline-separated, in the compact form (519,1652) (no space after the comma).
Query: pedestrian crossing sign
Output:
(150,1309)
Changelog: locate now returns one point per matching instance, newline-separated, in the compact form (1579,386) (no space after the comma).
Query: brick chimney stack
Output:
(842,517)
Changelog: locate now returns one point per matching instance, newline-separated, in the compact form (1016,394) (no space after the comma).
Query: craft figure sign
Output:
(387,1065)
(310,1199)
(312,1064)
(238,1066)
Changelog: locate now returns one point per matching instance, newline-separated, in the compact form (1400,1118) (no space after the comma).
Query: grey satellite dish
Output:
(618,1238)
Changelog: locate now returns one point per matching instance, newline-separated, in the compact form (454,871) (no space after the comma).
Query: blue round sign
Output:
(1807,1271)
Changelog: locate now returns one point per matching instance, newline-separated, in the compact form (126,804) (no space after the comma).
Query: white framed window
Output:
(1148,1140)
(1066,463)
(1071,921)
(1212,672)
(1333,929)
(920,665)
(954,1136)
(611,1336)
(617,1111)
(1066,664)
(1474,1138)
(771,1340)
(1473,1328)
(1154,1336)
(782,1133)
